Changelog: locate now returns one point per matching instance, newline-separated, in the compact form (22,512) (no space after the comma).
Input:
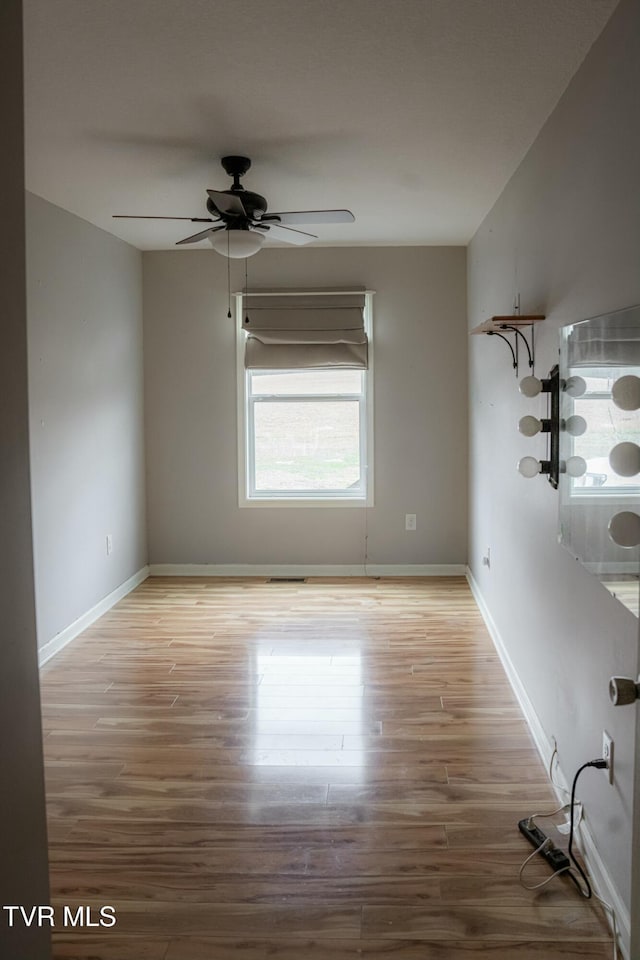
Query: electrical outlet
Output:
(486,560)
(109,544)
(607,753)
(410,521)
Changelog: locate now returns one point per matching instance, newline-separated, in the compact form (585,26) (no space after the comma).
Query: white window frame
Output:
(247,497)
(622,495)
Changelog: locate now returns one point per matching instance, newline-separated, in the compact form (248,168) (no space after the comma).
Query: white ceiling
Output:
(411,113)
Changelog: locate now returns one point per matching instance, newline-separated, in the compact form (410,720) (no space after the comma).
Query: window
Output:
(305,432)
(607,425)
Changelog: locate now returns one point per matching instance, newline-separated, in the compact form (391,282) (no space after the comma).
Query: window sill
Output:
(610,497)
(305,502)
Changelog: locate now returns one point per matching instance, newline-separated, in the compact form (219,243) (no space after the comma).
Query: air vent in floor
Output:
(287,580)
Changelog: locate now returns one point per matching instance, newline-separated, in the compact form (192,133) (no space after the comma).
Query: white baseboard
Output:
(306,570)
(53,646)
(544,745)
(601,880)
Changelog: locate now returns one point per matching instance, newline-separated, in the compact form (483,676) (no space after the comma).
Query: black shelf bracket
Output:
(516,324)
(495,328)
(514,356)
(519,335)
(529,349)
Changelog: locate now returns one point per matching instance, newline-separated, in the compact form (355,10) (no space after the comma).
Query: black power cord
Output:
(584,891)
(600,764)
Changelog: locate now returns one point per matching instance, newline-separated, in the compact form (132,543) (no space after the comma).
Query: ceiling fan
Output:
(240,218)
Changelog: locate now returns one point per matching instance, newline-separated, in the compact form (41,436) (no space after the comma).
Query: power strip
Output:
(556,858)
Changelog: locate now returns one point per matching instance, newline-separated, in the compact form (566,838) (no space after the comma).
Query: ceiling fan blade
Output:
(312,216)
(199,236)
(144,216)
(276,232)
(227,203)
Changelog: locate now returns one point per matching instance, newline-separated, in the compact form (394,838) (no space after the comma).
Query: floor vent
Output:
(287,580)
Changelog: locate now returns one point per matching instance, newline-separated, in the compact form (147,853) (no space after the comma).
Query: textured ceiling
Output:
(412,113)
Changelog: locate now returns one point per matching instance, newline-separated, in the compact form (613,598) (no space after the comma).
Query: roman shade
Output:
(612,341)
(304,331)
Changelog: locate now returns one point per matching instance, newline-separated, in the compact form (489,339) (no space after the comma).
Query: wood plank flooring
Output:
(249,770)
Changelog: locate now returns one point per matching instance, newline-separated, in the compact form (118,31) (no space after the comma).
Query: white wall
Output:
(84,302)
(565,234)
(23,858)
(420,410)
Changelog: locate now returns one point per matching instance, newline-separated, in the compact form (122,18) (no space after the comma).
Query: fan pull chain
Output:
(246,288)
(228,278)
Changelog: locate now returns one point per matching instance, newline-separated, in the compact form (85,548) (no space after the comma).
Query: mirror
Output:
(600,449)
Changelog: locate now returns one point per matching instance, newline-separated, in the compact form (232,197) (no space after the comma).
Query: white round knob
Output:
(576,466)
(625,393)
(575,386)
(529,467)
(625,459)
(529,426)
(624,529)
(575,425)
(530,387)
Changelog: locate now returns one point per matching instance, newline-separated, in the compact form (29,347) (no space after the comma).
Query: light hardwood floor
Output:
(330,770)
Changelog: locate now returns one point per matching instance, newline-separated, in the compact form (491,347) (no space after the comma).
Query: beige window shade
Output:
(305,331)
(612,341)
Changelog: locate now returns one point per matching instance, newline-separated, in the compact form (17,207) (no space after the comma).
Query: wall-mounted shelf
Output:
(502,326)
(495,324)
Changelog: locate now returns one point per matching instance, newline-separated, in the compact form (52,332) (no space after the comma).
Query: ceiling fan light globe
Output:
(237,244)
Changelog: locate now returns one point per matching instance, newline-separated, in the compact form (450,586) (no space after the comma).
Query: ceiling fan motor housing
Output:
(254,204)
